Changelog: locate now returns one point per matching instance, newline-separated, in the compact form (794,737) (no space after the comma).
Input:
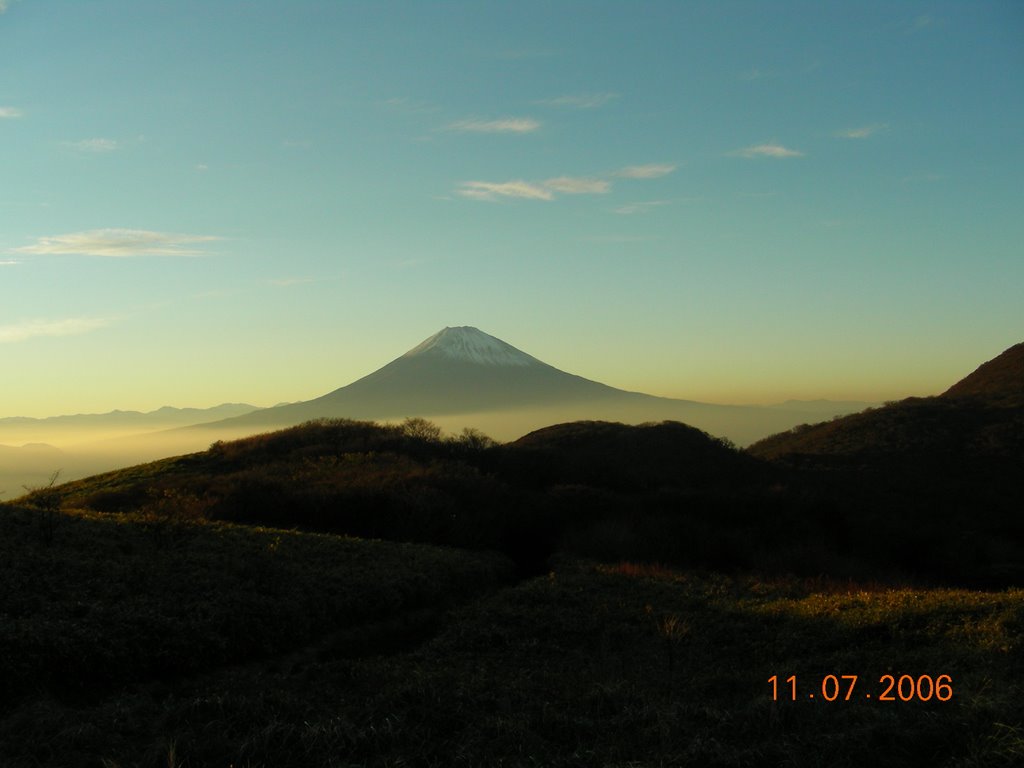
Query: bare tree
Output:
(46,501)
(418,427)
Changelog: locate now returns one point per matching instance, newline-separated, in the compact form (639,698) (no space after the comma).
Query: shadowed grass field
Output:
(328,660)
(112,600)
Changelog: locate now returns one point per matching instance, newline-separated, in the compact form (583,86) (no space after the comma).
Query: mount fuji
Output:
(457,370)
(462,376)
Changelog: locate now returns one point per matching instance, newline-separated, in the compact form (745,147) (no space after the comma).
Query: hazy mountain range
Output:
(116,422)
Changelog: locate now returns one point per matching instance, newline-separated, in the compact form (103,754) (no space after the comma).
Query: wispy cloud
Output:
(652,171)
(562,185)
(580,101)
(92,145)
(3,6)
(767,150)
(487,190)
(8,263)
(119,243)
(578,186)
(642,207)
(286,281)
(72,326)
(504,125)
(9,113)
(863,132)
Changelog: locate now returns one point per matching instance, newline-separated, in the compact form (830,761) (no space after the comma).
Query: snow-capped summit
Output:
(471,345)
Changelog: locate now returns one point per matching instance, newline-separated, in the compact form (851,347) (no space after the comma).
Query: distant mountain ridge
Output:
(163,416)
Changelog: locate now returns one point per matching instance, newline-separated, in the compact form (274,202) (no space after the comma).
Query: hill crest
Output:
(1000,380)
(980,418)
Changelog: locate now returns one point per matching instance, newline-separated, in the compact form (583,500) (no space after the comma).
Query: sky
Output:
(722,201)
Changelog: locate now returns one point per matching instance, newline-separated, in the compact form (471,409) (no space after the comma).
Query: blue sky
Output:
(732,202)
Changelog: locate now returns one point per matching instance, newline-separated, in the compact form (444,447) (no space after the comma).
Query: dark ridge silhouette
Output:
(612,455)
(937,429)
(979,419)
(1000,380)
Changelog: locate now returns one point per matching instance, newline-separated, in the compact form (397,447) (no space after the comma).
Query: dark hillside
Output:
(359,478)
(999,381)
(935,431)
(940,478)
(622,457)
(979,420)
(657,493)
(405,483)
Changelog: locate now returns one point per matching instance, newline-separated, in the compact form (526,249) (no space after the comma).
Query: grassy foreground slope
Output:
(614,665)
(116,601)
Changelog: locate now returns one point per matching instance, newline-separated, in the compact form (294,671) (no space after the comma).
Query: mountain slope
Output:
(981,418)
(1000,380)
(935,428)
